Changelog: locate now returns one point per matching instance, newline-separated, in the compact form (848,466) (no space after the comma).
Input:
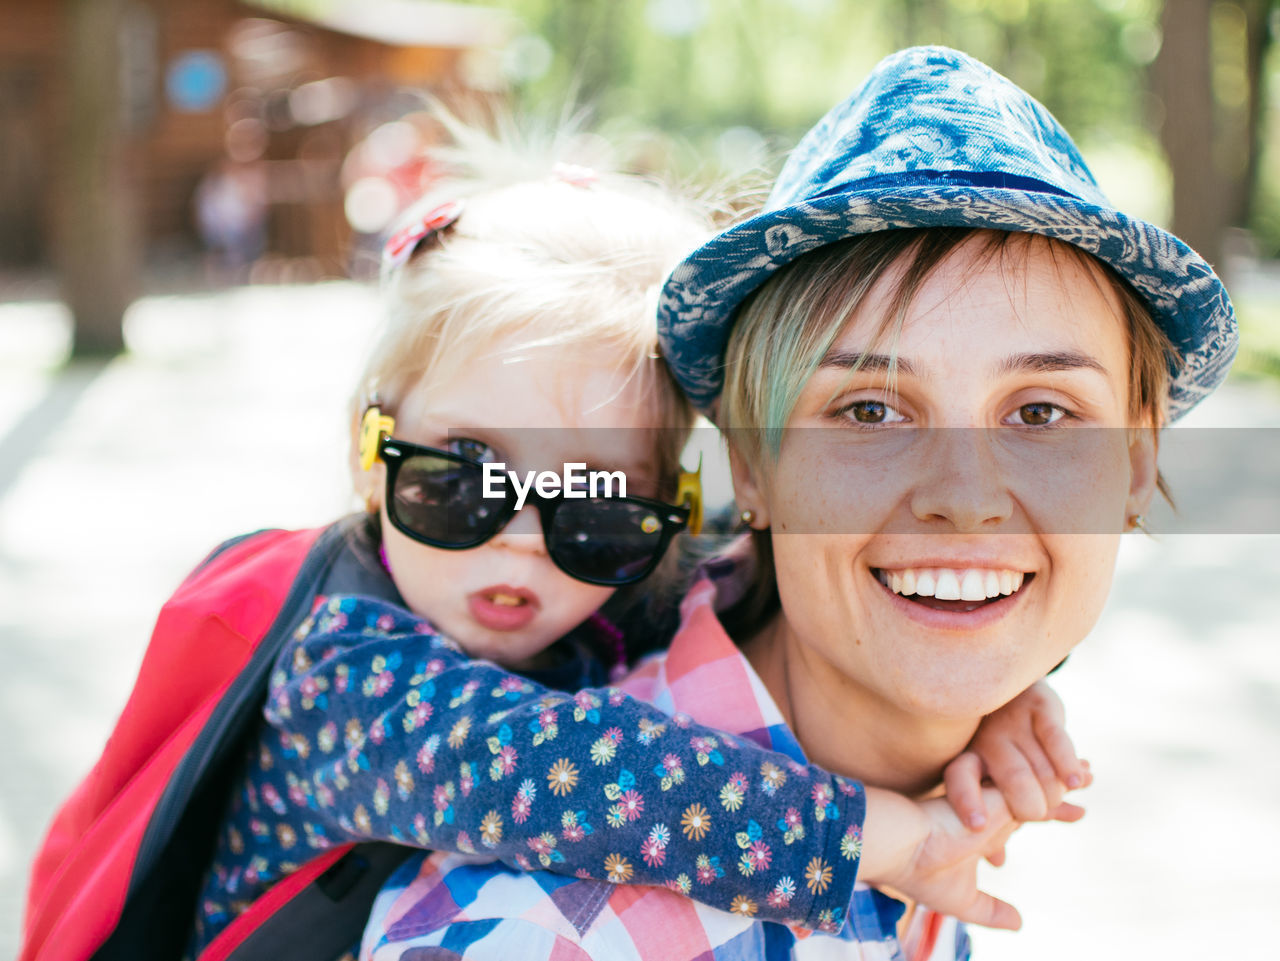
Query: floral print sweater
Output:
(376,727)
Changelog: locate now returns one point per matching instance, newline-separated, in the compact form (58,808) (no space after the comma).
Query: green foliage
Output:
(694,68)
(1259,317)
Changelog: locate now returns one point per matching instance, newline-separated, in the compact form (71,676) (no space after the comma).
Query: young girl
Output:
(520,333)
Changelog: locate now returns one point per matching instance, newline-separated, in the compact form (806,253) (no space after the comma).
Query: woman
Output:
(940,358)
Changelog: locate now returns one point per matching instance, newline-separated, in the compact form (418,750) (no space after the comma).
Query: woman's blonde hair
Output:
(543,255)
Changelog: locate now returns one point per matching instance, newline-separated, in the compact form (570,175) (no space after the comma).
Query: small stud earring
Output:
(748,516)
(1138,522)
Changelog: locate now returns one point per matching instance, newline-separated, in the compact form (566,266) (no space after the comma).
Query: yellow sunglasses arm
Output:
(372,428)
(689,494)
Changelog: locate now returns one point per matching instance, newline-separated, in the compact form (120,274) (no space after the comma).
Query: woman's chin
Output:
(966,707)
(957,685)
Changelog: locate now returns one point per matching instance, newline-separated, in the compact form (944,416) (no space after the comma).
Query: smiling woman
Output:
(941,359)
(925,496)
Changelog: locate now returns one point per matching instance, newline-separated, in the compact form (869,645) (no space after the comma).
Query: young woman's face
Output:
(537,410)
(964,474)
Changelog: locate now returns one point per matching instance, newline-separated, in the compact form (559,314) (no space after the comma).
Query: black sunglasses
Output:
(437,498)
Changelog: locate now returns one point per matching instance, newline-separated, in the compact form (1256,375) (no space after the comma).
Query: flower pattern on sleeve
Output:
(378,728)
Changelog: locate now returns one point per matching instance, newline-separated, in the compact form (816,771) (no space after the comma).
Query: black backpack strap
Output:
(328,916)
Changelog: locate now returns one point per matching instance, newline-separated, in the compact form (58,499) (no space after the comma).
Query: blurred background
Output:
(192,197)
(216,141)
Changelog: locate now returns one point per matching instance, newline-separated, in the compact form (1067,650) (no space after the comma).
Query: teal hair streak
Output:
(790,366)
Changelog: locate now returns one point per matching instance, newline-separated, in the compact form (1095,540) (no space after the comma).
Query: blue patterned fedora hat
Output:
(934,138)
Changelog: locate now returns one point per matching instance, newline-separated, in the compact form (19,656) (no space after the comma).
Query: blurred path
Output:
(229,415)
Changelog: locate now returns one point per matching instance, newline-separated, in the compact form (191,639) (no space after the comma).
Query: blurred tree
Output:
(1210,76)
(1182,77)
(96,229)
(1259,33)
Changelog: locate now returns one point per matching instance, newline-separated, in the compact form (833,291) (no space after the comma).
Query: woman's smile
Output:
(955,598)
(951,583)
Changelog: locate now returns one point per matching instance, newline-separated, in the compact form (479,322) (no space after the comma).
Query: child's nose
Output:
(523,532)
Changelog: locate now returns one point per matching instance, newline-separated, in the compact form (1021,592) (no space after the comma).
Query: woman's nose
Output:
(960,480)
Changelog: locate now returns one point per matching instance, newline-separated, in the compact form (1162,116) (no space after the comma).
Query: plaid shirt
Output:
(458,906)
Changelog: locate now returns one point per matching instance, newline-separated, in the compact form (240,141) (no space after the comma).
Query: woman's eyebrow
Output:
(856,360)
(1044,363)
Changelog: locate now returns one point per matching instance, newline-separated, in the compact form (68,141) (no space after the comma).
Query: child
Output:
(527,306)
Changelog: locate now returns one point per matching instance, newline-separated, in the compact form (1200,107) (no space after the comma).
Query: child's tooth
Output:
(948,588)
(972,586)
(1006,582)
(908,581)
(506,600)
(925,584)
(991,584)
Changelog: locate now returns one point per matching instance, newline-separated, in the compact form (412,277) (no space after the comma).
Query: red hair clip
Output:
(406,240)
(575,174)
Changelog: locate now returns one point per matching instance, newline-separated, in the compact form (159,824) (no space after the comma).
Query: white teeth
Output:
(948,584)
(991,584)
(973,586)
(948,588)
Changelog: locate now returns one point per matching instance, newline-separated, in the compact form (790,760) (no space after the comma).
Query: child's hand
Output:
(923,851)
(1024,750)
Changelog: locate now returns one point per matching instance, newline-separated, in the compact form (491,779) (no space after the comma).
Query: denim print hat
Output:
(934,138)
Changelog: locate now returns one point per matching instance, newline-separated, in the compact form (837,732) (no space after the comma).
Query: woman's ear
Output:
(1144,471)
(748,489)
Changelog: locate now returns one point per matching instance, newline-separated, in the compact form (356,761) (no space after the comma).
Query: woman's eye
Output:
(873,412)
(1039,415)
(474,450)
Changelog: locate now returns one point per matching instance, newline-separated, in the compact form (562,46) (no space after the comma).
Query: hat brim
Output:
(1186,298)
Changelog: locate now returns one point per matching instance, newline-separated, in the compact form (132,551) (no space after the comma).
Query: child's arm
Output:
(387,731)
(1023,749)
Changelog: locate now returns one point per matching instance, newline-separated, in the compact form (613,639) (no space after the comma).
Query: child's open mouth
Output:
(953,589)
(503,608)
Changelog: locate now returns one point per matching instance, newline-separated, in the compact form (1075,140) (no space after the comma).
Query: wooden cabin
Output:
(215,85)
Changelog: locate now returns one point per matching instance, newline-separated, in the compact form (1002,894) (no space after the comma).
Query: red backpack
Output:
(119,871)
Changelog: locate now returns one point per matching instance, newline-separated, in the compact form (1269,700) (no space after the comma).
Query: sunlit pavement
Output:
(229,414)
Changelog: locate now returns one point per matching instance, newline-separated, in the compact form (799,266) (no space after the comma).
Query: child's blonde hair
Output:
(549,254)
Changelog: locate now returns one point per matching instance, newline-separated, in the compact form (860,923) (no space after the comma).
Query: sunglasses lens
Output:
(607,540)
(440,500)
